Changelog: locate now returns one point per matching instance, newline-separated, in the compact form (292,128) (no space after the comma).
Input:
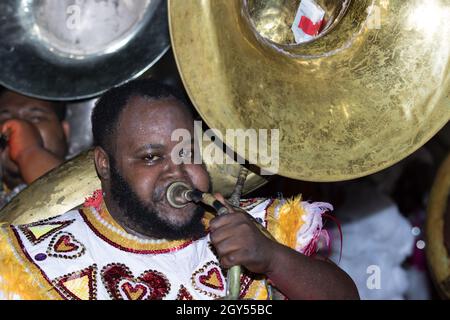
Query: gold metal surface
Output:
(67,186)
(437,254)
(366,93)
(57,192)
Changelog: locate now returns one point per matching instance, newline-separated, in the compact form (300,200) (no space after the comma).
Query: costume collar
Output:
(96,215)
(104,226)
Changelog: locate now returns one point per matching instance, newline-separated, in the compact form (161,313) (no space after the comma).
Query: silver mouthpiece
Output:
(178,194)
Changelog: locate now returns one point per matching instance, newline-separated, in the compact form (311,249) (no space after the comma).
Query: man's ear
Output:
(101,160)
(66,129)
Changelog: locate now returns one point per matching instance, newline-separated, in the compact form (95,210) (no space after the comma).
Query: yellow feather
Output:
(286,226)
(15,279)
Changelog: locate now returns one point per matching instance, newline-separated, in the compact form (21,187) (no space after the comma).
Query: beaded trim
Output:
(32,237)
(125,241)
(183,294)
(246,281)
(122,285)
(90,272)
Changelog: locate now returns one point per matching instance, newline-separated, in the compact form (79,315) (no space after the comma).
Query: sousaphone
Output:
(371,88)
(368,91)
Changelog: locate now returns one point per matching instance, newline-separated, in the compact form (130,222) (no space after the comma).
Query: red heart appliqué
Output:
(121,284)
(65,244)
(209,280)
(212,279)
(134,291)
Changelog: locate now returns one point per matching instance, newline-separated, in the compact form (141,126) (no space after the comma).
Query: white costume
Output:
(84,254)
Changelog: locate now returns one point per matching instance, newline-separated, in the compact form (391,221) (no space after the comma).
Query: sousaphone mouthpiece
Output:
(178,194)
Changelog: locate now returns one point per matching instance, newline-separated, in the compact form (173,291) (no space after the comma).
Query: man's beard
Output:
(144,219)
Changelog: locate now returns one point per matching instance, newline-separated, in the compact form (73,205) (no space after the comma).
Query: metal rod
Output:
(234,273)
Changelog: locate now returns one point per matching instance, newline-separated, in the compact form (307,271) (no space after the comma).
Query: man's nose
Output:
(174,170)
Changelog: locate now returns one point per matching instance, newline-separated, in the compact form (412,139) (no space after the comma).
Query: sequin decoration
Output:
(209,280)
(38,231)
(94,201)
(64,245)
(122,285)
(183,294)
(246,281)
(120,239)
(79,285)
(40,257)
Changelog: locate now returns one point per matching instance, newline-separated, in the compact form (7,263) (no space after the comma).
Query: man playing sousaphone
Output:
(128,242)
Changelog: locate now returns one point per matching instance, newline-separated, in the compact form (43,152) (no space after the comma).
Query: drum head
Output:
(74,49)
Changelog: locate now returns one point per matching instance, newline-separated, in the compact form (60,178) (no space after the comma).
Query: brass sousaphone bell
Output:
(368,91)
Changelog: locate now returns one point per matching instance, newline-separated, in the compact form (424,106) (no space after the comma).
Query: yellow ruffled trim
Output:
(105,215)
(19,277)
(285,227)
(207,219)
(122,241)
(257,291)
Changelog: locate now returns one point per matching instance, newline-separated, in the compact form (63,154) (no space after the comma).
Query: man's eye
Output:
(151,158)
